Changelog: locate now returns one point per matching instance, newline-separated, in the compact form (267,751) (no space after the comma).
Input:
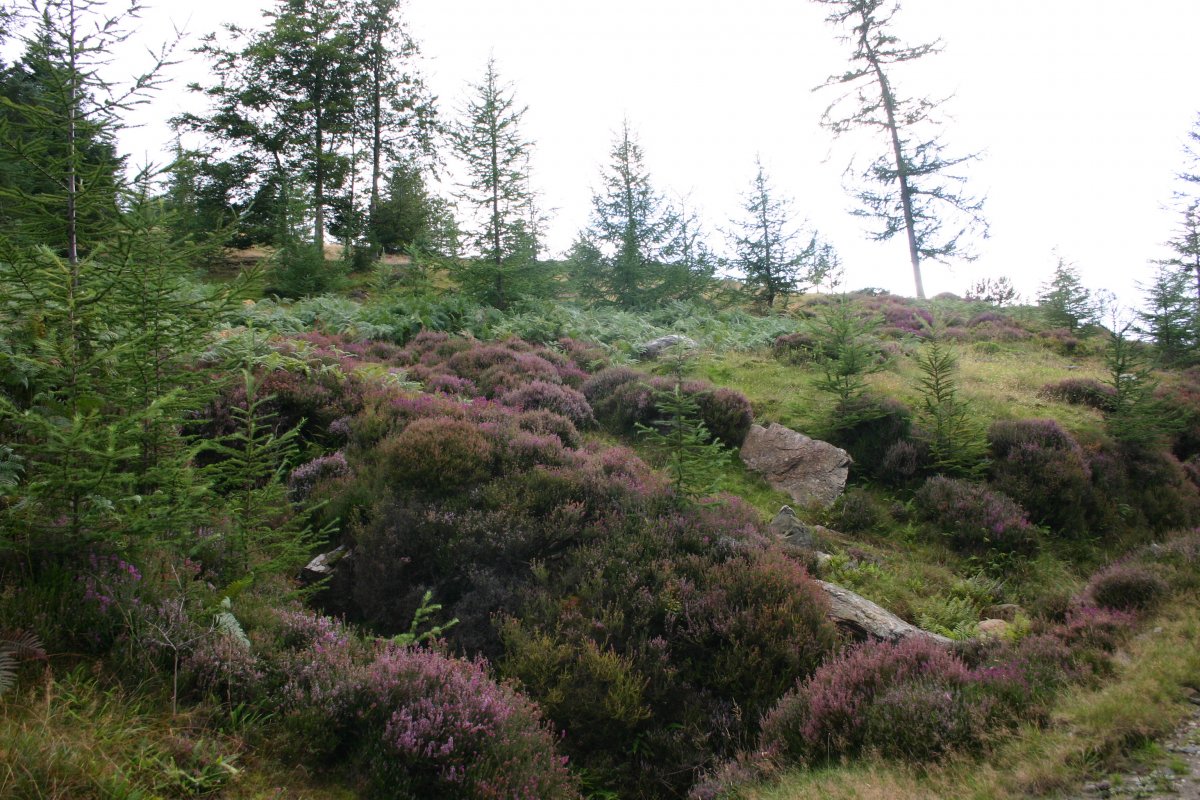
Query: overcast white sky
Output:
(1080,107)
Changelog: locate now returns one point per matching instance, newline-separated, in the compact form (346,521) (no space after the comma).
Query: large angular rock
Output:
(863,619)
(811,471)
(655,348)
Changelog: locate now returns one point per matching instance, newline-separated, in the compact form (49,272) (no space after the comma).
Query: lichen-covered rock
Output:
(655,348)
(788,528)
(812,472)
(864,619)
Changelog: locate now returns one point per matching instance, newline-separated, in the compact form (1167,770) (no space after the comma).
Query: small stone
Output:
(323,565)
(993,629)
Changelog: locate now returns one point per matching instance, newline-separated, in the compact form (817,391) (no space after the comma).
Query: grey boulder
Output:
(812,472)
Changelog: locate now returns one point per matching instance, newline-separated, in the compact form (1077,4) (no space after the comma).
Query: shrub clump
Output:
(620,398)
(438,454)
(833,713)
(413,720)
(974,518)
(1043,468)
(727,415)
(1127,587)
(547,422)
(559,399)
(867,427)
(1081,392)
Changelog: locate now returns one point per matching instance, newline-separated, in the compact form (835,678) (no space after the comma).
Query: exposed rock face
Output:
(788,528)
(864,619)
(335,571)
(655,348)
(323,565)
(811,471)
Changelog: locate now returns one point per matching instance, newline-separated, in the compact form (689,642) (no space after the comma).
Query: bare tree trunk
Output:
(889,107)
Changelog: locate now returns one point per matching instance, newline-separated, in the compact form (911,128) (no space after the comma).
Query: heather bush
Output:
(1043,468)
(524,369)
(828,715)
(857,511)
(726,414)
(527,450)
(415,722)
(1157,489)
(621,398)
(547,422)
(974,518)
(867,427)
(1062,341)
(306,476)
(904,462)
(438,454)
(923,721)
(602,384)
(1127,586)
(450,384)
(679,633)
(1087,628)
(1081,392)
(796,348)
(223,665)
(559,399)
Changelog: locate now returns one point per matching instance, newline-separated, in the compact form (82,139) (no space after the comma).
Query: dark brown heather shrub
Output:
(553,397)
(974,518)
(1127,587)
(726,414)
(547,422)
(867,427)
(1081,392)
(1042,467)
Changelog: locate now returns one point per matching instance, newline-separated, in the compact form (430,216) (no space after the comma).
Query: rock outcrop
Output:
(812,472)
(655,348)
(864,619)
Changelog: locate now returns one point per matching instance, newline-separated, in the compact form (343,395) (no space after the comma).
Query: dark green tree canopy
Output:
(769,250)
(502,222)
(632,226)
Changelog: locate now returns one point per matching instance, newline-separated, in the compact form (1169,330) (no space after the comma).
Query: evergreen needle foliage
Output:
(250,473)
(692,458)
(846,349)
(1137,418)
(957,443)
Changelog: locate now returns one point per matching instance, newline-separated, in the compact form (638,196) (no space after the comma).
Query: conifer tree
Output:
(632,227)
(1137,418)
(957,443)
(919,195)
(1170,314)
(396,111)
(1064,299)
(767,252)
(93,308)
(502,227)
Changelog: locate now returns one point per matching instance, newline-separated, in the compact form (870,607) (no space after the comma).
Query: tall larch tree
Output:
(918,193)
(397,112)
